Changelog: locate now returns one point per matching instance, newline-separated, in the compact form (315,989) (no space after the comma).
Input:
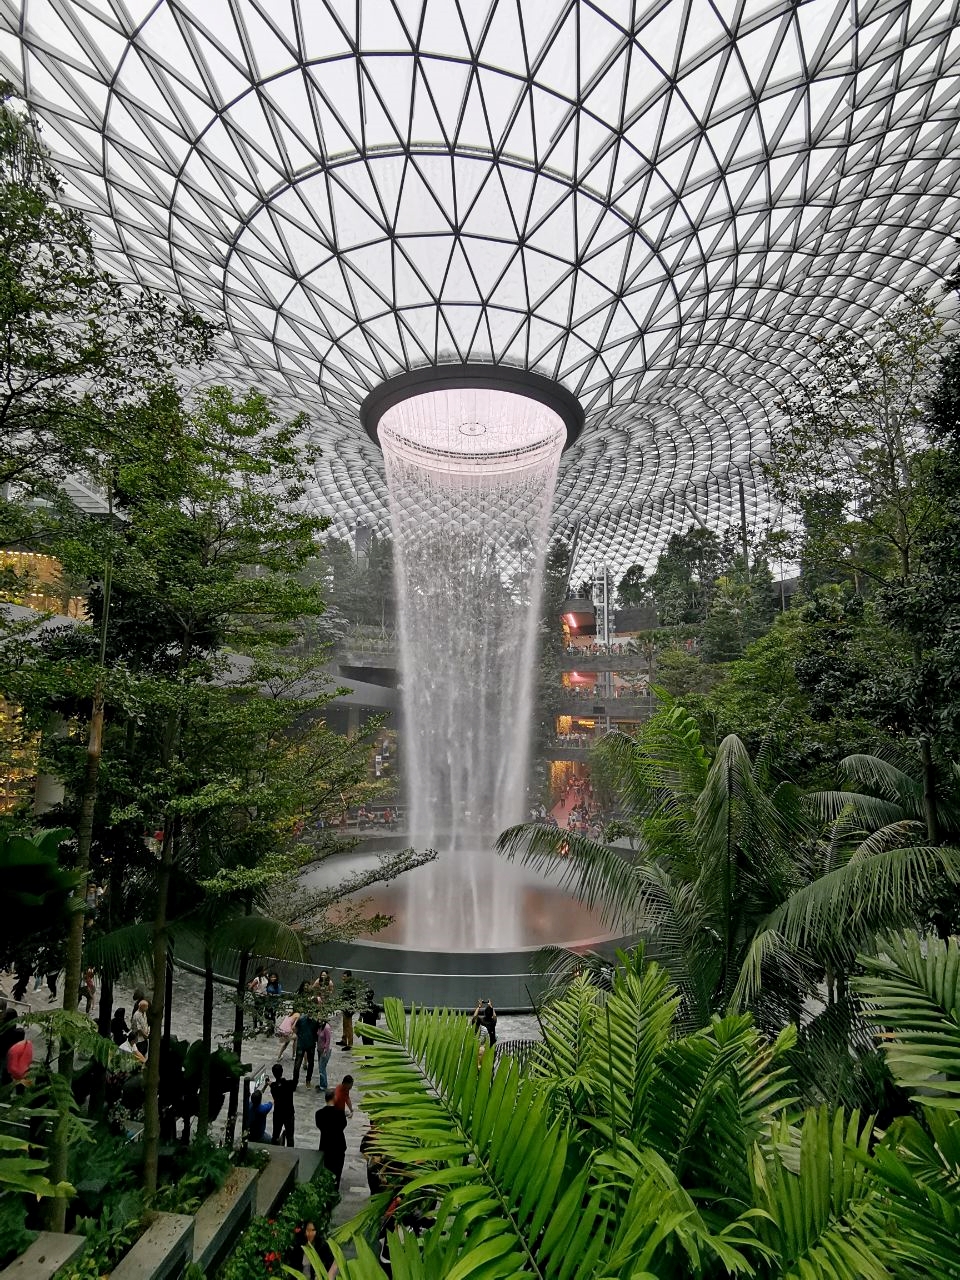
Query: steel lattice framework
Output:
(655,202)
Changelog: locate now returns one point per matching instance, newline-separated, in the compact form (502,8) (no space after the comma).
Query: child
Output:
(341,1095)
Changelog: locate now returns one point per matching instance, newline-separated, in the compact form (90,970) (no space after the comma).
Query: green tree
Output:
(729,884)
(741,609)
(853,456)
(77,348)
(213,530)
(681,586)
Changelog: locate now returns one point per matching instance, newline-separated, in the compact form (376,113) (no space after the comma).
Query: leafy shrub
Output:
(264,1246)
(247,1157)
(194,1173)
(14,1234)
(109,1236)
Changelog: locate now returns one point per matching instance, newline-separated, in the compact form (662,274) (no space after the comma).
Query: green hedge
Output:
(266,1244)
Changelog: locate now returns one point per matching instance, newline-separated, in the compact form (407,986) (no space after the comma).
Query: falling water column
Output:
(471,473)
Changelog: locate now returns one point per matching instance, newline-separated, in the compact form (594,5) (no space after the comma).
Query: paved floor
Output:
(261,1052)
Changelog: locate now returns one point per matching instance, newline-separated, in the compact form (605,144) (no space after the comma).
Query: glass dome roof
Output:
(654,202)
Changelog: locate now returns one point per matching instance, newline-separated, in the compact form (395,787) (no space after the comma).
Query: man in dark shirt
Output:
(283,1113)
(307,1028)
(332,1123)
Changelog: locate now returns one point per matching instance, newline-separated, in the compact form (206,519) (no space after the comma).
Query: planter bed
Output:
(48,1253)
(221,1218)
(161,1253)
(276,1180)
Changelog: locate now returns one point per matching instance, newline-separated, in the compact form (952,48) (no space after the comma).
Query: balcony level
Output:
(622,706)
(597,659)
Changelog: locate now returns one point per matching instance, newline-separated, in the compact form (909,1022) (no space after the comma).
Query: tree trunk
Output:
(929,792)
(167,1001)
(233,1104)
(206,1036)
(73,969)
(151,1082)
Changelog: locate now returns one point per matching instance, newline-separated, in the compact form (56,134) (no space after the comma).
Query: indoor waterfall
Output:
(471,475)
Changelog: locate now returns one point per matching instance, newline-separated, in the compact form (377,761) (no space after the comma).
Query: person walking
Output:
(331,1121)
(284,1116)
(324,1049)
(306,1038)
(341,1096)
(287,1031)
(24,974)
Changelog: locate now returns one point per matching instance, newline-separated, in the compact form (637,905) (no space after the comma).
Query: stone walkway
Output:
(261,1052)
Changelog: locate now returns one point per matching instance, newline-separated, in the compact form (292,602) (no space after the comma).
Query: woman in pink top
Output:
(287,1031)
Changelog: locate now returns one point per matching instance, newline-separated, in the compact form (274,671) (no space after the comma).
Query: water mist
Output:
(471,475)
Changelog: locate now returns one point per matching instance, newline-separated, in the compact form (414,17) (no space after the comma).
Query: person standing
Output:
(88,989)
(331,1120)
(274,992)
(118,1027)
(306,1036)
(257,986)
(369,1014)
(306,1236)
(283,1113)
(348,999)
(322,986)
(140,1024)
(485,1019)
(488,1020)
(324,1049)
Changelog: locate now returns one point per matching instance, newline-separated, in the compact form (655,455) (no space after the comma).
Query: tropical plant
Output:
(911,992)
(728,882)
(623,1149)
(41,891)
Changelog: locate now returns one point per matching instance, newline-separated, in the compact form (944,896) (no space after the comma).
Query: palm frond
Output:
(825,1221)
(127,949)
(569,1047)
(840,911)
(855,811)
(716,1094)
(476,1140)
(632,1035)
(767,950)
(257,935)
(598,875)
(912,992)
(919,1166)
(885,777)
